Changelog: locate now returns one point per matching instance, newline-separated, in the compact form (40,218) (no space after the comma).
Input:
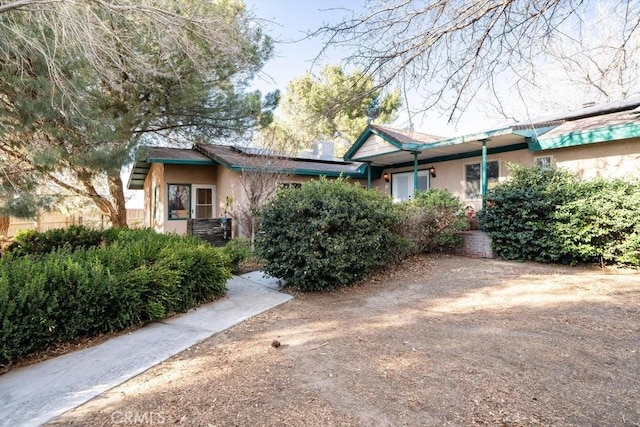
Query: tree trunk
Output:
(117,215)
(4,225)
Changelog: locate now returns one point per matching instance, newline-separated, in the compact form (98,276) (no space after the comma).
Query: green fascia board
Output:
(591,136)
(363,138)
(466,155)
(360,173)
(183,162)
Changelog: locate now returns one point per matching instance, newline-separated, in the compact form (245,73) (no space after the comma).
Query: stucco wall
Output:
(617,159)
(155,178)
(167,174)
(450,175)
(610,159)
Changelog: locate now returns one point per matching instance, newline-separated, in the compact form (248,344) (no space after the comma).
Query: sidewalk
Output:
(35,394)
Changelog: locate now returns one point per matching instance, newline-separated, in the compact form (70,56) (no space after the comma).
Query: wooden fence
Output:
(51,220)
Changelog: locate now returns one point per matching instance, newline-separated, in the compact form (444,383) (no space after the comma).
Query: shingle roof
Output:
(403,136)
(238,159)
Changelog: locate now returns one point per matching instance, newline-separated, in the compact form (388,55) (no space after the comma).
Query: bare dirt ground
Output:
(438,341)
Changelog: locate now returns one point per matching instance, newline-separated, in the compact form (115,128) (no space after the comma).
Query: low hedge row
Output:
(69,292)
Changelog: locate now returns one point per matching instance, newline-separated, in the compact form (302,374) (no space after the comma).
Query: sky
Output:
(289,21)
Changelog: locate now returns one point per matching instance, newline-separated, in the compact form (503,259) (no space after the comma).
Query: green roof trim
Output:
(361,172)
(363,138)
(590,136)
(466,155)
(412,146)
(182,161)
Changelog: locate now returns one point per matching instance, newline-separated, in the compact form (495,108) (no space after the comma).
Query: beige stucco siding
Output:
(183,174)
(155,179)
(609,159)
(618,159)
(450,174)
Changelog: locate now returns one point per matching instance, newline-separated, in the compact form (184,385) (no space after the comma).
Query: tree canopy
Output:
(333,106)
(455,50)
(83,83)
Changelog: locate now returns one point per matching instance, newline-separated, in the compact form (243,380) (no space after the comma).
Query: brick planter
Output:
(475,244)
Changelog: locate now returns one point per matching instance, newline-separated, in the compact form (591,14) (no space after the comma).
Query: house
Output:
(206,180)
(602,140)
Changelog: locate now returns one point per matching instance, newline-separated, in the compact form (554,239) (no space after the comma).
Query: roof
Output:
(599,123)
(403,136)
(607,127)
(146,156)
(239,159)
(394,137)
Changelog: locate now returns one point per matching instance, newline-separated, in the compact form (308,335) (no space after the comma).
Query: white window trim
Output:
(194,189)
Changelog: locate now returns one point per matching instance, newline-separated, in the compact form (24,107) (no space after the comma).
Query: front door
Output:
(402,184)
(203,201)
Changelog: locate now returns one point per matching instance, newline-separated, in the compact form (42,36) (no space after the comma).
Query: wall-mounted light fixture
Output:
(432,172)
(386,177)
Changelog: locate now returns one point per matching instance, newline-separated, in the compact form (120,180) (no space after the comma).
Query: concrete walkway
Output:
(35,394)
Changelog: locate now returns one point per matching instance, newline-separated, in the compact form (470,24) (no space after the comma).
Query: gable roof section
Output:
(146,156)
(390,137)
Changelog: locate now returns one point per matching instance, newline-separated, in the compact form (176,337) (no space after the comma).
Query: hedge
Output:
(73,291)
(549,215)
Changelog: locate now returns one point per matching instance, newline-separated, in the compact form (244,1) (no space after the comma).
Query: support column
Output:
(415,172)
(368,175)
(483,174)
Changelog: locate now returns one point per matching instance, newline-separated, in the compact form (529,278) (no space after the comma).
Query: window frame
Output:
(465,180)
(421,173)
(537,158)
(188,203)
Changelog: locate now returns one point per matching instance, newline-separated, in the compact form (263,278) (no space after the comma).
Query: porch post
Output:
(368,175)
(415,172)
(483,176)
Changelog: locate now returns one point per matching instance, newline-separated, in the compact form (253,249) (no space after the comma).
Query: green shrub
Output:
(602,224)
(519,212)
(431,221)
(326,234)
(548,215)
(31,242)
(238,250)
(140,276)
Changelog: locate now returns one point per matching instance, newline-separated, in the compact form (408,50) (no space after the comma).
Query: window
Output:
(289,184)
(472,174)
(179,201)
(543,162)
(402,184)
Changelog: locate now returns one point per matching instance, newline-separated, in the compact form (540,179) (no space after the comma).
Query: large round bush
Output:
(326,234)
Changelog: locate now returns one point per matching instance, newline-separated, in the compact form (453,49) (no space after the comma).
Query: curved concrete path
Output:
(35,394)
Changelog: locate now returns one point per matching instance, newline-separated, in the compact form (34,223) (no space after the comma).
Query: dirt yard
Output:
(438,341)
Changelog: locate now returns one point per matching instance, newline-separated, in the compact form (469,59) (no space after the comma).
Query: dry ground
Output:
(439,341)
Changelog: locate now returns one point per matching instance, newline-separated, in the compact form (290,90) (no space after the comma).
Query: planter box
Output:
(475,244)
(213,230)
